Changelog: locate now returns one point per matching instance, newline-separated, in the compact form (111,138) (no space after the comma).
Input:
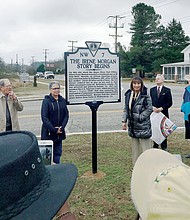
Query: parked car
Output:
(49,75)
(39,75)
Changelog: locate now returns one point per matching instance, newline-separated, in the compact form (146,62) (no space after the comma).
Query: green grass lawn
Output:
(107,197)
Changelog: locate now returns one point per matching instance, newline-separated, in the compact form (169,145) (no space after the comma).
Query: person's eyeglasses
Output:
(8,86)
(55,88)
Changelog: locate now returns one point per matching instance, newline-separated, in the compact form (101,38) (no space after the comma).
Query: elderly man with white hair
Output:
(161,101)
(9,105)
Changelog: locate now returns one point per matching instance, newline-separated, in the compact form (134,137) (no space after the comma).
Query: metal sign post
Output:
(94,107)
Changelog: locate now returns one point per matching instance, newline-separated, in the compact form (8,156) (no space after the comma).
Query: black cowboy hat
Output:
(29,190)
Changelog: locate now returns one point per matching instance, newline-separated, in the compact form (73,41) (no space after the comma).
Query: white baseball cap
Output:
(160,186)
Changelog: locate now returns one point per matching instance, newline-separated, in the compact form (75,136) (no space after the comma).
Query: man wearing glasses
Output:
(55,115)
(9,106)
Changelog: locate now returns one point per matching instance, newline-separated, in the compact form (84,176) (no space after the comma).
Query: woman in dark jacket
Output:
(137,111)
(55,116)
(185,108)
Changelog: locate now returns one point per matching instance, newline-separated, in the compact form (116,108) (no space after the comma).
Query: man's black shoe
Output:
(188,156)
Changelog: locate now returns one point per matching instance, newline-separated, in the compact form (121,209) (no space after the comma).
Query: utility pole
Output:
(12,65)
(45,56)
(72,44)
(17,63)
(33,62)
(32,59)
(22,65)
(115,25)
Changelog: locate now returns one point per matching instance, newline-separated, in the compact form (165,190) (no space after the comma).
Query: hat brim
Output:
(63,178)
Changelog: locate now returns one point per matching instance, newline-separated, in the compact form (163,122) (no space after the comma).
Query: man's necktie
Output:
(8,116)
(158,91)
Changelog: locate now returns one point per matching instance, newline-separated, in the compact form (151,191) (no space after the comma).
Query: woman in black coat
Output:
(136,117)
(55,115)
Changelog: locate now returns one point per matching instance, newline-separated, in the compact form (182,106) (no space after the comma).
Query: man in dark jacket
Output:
(161,101)
(55,116)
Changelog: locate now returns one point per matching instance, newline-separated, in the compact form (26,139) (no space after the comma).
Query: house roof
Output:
(185,49)
(186,63)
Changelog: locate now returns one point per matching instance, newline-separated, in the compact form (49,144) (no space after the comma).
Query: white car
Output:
(49,75)
(39,75)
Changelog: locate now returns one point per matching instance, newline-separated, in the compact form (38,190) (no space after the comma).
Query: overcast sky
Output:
(30,26)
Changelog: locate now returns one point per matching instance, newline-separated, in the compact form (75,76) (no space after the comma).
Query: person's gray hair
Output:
(3,82)
(52,83)
(161,75)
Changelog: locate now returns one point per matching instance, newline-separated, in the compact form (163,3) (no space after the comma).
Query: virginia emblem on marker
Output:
(93,46)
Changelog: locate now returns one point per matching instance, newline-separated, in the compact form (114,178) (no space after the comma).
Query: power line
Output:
(92,29)
(99,27)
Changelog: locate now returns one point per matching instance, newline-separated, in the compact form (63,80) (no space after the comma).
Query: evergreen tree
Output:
(153,44)
(172,41)
(125,66)
(144,36)
(175,35)
(175,40)
(144,25)
(41,68)
(2,65)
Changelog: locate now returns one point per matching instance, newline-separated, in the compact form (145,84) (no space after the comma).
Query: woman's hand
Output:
(124,126)
(59,131)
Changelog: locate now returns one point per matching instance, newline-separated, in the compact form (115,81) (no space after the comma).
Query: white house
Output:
(176,71)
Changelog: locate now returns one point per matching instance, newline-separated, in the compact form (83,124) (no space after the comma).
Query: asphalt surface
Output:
(109,116)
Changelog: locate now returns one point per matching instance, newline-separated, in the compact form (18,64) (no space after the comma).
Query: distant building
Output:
(176,71)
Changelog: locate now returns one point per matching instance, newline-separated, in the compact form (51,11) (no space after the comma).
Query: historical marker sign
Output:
(24,77)
(92,78)
(92,75)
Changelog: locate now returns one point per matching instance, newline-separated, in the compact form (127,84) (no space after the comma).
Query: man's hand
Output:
(12,95)
(157,110)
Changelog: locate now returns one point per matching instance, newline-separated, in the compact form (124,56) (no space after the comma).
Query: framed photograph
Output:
(46,150)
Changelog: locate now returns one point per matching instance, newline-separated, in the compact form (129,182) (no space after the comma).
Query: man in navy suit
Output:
(161,101)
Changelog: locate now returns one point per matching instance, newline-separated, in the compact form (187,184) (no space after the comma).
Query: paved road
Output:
(109,115)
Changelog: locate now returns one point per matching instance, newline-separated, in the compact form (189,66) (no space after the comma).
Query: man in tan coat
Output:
(9,105)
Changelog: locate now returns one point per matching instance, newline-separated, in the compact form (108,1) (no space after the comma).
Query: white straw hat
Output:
(160,186)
